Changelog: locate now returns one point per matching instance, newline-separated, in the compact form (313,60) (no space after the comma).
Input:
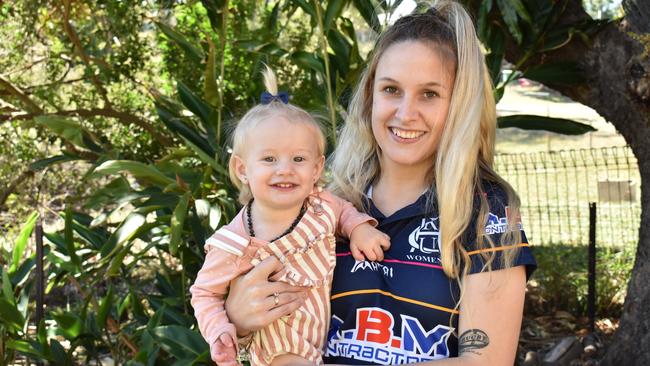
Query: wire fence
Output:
(556,187)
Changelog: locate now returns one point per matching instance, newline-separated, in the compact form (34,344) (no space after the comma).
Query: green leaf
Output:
(104,308)
(136,168)
(308,60)
(180,342)
(10,315)
(25,347)
(58,354)
(215,10)
(44,163)
(128,228)
(210,87)
(367,11)
(306,7)
(124,233)
(334,8)
(272,21)
(483,21)
(521,11)
(194,103)
(41,333)
(69,238)
(178,219)
(557,38)
(69,130)
(64,127)
(206,158)
(117,260)
(24,269)
(550,124)
(118,191)
(7,288)
(69,324)
(21,241)
(341,49)
(175,124)
(509,15)
(194,53)
(562,73)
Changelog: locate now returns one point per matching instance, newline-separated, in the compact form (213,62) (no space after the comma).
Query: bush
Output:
(561,280)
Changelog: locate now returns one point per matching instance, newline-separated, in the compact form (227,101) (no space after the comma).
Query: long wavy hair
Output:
(260,113)
(463,160)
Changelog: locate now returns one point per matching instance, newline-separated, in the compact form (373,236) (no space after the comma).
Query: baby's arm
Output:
(365,240)
(225,352)
(208,293)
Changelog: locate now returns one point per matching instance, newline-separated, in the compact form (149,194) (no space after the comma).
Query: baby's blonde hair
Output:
(260,113)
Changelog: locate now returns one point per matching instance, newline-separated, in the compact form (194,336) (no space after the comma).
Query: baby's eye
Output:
(430,94)
(268,159)
(299,159)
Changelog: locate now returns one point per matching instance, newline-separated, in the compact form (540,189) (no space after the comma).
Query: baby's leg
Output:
(289,359)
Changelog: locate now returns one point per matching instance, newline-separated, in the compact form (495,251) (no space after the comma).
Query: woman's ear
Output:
(240,168)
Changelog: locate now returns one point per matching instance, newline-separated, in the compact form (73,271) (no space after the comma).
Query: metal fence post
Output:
(591,295)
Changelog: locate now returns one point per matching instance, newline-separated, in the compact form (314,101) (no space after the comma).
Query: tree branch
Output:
(4,194)
(79,50)
(15,91)
(124,117)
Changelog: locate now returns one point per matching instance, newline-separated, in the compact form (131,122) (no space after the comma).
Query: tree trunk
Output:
(618,88)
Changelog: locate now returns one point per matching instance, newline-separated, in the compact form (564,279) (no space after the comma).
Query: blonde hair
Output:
(262,112)
(465,152)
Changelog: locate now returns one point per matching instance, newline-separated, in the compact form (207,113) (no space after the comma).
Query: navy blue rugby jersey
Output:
(398,311)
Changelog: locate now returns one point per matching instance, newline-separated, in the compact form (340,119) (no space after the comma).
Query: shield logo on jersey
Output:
(426,237)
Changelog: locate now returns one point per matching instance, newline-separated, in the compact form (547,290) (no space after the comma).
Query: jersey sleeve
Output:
(499,217)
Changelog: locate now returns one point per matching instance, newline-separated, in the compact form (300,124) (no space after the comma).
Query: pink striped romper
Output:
(308,255)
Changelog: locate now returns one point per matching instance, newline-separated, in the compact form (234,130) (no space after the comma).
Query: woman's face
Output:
(411,96)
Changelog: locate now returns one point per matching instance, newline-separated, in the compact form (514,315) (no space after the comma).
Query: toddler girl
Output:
(276,163)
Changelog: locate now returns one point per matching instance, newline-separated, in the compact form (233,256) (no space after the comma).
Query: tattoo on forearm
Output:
(472,341)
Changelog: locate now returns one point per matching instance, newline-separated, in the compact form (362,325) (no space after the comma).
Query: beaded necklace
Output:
(249,219)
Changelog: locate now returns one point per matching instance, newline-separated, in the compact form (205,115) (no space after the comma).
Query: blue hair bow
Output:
(267,97)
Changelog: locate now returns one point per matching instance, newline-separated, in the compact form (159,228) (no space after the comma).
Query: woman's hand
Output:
(252,303)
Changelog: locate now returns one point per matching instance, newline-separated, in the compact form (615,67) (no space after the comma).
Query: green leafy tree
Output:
(141,96)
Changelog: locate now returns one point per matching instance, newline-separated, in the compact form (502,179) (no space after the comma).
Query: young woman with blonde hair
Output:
(416,153)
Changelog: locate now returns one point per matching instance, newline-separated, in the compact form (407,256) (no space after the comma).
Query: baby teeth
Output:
(406,134)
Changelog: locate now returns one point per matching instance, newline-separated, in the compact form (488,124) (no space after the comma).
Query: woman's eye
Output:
(430,94)
(390,90)
(299,159)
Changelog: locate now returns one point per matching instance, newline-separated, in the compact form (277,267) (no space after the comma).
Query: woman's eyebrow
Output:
(422,85)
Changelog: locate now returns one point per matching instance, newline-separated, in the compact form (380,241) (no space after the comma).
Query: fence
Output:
(556,188)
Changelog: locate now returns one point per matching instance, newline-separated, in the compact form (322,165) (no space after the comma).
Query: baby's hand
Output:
(224,352)
(366,242)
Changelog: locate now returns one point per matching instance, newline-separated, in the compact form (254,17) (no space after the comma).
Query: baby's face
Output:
(281,162)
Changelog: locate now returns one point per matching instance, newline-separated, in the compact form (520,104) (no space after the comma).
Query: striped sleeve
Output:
(347,216)
(227,241)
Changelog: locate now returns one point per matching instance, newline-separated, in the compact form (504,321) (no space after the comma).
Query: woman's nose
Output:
(407,109)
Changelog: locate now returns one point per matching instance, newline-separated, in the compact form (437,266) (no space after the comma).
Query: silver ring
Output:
(276,298)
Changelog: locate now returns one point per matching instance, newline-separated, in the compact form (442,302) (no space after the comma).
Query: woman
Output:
(416,154)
